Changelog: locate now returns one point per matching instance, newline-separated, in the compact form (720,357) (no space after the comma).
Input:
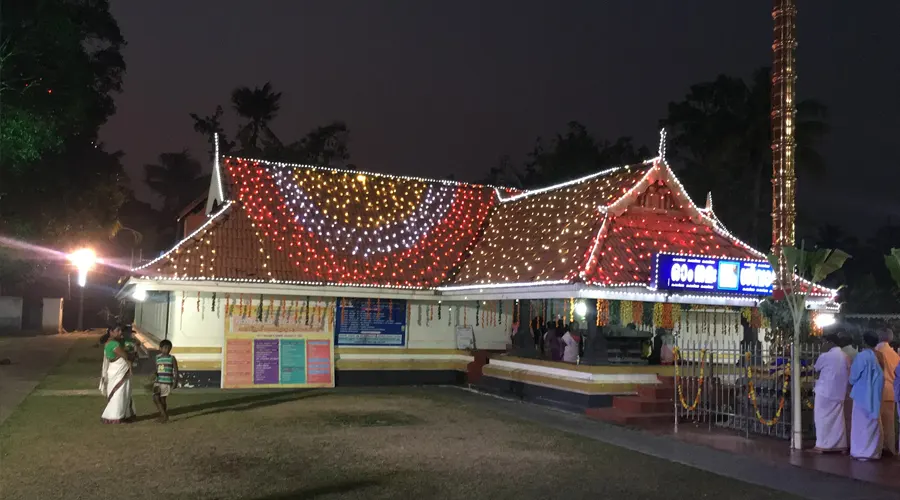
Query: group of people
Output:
(556,340)
(116,375)
(857,395)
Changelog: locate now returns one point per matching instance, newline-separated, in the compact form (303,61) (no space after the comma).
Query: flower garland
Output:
(602,312)
(637,313)
(408,312)
(227,304)
(752,393)
(625,312)
(692,406)
(198,301)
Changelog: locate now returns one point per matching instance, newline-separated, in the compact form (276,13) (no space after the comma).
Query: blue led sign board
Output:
(689,273)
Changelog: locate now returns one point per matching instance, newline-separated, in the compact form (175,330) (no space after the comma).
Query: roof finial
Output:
(662,144)
(709,205)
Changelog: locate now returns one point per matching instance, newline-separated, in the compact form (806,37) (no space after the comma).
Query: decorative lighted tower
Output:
(784,179)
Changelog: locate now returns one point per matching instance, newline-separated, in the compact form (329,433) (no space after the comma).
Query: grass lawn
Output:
(343,443)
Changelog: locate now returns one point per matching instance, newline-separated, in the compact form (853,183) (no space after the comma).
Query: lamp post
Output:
(83,260)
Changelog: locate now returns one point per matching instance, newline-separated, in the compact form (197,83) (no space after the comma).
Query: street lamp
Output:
(83,259)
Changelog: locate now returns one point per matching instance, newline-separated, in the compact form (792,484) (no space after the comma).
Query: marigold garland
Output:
(657,314)
(637,313)
(751,390)
(696,402)
(625,312)
(227,304)
(602,312)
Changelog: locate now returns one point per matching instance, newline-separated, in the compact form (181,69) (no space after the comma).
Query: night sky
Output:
(432,88)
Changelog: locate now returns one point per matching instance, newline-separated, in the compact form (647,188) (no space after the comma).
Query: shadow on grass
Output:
(236,404)
(318,491)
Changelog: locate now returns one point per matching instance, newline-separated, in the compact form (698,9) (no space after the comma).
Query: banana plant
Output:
(892,262)
(813,266)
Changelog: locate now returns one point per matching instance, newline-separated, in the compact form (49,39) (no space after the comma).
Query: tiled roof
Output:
(315,226)
(324,226)
(545,235)
(630,242)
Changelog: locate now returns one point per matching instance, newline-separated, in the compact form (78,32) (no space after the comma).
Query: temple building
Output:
(308,276)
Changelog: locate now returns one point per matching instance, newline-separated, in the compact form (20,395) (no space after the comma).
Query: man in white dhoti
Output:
(115,382)
(845,342)
(833,367)
(867,378)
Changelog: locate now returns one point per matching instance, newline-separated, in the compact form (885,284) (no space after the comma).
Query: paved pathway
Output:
(32,358)
(783,477)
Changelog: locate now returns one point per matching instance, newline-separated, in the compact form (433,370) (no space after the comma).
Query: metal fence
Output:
(742,386)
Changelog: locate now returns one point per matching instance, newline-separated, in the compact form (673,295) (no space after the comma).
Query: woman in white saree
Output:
(115,380)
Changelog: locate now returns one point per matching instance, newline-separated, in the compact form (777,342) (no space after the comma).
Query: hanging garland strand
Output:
(752,393)
(692,406)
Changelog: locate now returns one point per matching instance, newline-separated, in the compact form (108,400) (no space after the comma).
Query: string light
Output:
(319,226)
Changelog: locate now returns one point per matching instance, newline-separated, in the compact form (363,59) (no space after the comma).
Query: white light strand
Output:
(573,182)
(281,164)
(386,238)
(206,224)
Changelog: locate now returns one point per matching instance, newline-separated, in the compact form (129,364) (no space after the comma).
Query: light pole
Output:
(83,260)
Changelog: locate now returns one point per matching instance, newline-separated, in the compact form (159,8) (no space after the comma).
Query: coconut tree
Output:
(720,139)
(258,107)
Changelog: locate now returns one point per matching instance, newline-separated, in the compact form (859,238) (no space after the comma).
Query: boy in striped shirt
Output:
(165,380)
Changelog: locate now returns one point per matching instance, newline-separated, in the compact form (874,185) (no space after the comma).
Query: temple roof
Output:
(308,225)
(295,224)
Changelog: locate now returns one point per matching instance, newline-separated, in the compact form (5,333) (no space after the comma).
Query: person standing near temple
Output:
(845,342)
(888,405)
(867,379)
(847,345)
(833,367)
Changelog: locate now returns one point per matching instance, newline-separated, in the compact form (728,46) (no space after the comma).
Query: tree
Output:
(576,154)
(60,63)
(326,146)
(567,156)
(173,178)
(258,106)
(209,126)
(721,142)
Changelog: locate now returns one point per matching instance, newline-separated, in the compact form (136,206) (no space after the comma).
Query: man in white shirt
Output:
(831,391)
(570,346)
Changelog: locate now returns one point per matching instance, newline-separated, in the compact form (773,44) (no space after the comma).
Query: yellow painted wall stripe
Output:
(189,364)
(396,350)
(196,350)
(402,364)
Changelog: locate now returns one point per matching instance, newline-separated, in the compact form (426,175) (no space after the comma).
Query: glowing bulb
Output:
(580,308)
(139,294)
(824,319)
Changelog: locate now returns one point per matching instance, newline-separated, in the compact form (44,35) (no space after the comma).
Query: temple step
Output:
(639,404)
(656,391)
(621,417)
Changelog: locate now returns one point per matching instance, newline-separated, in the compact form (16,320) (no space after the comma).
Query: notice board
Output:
(370,322)
(282,349)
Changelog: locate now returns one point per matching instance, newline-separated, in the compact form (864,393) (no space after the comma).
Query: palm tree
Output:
(171,178)
(258,106)
(210,125)
(721,139)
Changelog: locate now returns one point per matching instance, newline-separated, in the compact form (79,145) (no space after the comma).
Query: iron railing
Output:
(742,386)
